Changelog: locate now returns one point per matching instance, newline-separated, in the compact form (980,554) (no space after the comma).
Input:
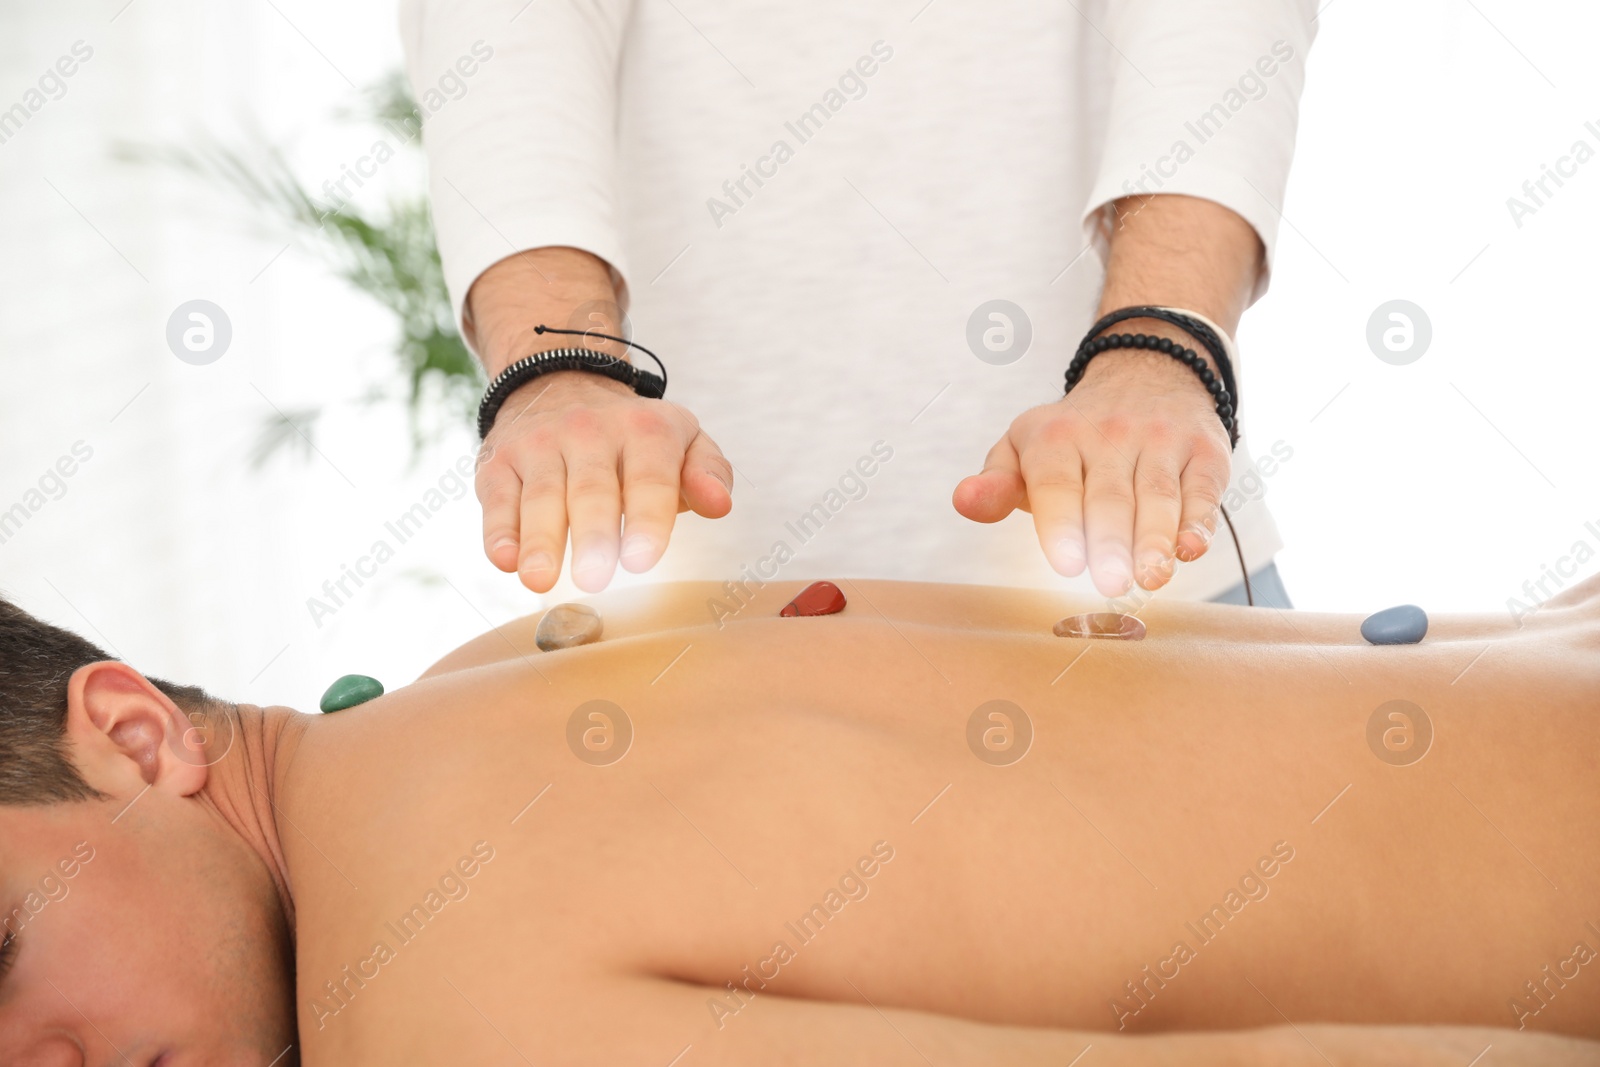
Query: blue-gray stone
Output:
(1403,625)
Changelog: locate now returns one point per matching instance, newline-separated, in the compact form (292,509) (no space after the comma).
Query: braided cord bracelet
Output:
(526,369)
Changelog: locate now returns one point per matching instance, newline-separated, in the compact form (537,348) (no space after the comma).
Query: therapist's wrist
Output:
(566,288)
(1152,362)
(1139,376)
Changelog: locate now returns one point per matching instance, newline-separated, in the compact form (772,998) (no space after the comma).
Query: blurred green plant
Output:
(391,256)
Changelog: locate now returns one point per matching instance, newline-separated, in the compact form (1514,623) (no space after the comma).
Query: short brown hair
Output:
(36,660)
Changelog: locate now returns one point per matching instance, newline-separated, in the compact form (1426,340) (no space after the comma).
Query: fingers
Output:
(1054,469)
(593,499)
(542,515)
(586,469)
(996,491)
(1124,476)
(1205,479)
(1108,513)
(523,492)
(1158,502)
(1171,508)
(500,492)
(668,465)
(651,460)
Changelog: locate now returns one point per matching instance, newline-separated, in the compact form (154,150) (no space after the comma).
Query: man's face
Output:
(138,935)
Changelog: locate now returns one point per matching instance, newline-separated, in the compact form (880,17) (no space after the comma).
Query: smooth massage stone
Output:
(1403,625)
(566,626)
(818,598)
(349,691)
(1108,624)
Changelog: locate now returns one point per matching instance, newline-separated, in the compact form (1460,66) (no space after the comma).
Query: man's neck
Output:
(250,750)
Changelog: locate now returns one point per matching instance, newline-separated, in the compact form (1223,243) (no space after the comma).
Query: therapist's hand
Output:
(573,453)
(1127,471)
(1124,473)
(576,454)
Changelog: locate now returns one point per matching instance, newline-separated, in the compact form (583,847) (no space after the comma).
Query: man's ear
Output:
(126,734)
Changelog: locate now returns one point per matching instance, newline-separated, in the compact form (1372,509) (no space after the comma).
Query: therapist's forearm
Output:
(541,285)
(1180,251)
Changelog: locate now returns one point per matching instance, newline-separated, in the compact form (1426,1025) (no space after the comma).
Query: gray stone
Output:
(1403,625)
(567,625)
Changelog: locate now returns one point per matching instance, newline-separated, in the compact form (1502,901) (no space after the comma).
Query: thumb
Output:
(997,490)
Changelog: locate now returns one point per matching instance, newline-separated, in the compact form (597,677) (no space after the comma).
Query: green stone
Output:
(349,691)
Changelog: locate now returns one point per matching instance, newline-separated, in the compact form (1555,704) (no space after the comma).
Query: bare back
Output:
(1200,830)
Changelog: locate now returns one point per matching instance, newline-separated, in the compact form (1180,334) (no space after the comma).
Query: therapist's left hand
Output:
(1124,474)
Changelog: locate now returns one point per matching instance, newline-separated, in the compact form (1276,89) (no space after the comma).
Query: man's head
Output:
(139,926)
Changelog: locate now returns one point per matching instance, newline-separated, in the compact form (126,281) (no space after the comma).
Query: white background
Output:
(1449,482)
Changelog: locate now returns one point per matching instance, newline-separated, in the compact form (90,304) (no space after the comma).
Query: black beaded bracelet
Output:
(526,369)
(1190,325)
(1093,346)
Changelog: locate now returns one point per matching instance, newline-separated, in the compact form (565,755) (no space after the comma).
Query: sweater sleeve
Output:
(522,152)
(1204,101)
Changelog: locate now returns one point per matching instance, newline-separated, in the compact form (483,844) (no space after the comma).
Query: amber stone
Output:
(1108,624)
(567,625)
(818,598)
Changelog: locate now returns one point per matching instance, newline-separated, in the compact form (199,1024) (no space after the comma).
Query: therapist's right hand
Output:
(577,455)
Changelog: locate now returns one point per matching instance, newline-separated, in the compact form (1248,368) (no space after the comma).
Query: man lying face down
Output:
(924,830)
(129,933)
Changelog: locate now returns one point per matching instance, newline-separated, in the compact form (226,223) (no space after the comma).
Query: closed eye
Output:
(8,953)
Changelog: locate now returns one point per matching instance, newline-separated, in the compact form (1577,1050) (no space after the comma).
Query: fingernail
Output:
(1154,567)
(591,567)
(1199,531)
(1115,570)
(538,563)
(638,546)
(1069,551)
(501,543)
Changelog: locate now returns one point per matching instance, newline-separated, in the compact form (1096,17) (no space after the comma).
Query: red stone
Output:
(1102,624)
(818,598)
